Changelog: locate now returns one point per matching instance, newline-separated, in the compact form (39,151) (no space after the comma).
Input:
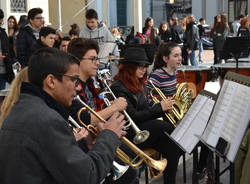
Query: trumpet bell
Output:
(119,170)
(141,136)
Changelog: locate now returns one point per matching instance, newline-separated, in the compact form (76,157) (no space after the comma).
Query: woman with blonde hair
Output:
(13,94)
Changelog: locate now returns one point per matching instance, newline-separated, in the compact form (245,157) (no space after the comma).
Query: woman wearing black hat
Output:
(129,83)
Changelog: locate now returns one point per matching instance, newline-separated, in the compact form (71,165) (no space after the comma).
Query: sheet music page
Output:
(213,129)
(230,116)
(237,120)
(190,139)
(193,123)
(106,48)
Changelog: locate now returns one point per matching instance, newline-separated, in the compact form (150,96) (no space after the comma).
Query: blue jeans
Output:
(201,42)
(192,58)
(2,81)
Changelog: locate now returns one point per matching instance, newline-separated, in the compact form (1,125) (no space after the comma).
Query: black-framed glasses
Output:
(74,78)
(92,59)
(39,18)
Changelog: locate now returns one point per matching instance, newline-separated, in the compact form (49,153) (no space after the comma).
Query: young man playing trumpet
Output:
(86,50)
(37,143)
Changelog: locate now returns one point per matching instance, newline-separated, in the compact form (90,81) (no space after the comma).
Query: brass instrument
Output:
(157,167)
(118,169)
(182,97)
(141,135)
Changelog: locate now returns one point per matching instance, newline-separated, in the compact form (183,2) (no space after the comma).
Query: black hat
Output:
(135,55)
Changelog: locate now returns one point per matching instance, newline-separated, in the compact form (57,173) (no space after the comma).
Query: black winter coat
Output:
(138,106)
(192,36)
(25,41)
(5,51)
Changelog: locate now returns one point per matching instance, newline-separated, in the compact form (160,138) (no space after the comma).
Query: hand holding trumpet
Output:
(115,123)
(120,104)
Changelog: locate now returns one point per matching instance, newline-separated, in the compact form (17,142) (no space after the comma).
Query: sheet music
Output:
(193,123)
(105,49)
(230,116)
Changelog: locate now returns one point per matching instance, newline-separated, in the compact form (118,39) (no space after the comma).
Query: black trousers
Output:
(159,141)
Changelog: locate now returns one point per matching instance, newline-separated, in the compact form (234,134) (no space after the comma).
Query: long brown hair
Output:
(126,74)
(13,94)
(222,25)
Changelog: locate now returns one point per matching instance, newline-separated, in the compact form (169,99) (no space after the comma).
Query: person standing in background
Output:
(202,38)
(236,25)
(95,30)
(6,72)
(74,31)
(28,35)
(12,33)
(164,32)
(219,33)
(150,32)
(191,39)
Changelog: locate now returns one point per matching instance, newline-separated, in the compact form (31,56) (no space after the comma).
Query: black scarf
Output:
(49,100)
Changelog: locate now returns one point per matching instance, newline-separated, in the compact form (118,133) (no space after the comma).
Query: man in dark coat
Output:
(37,143)
(6,72)
(28,35)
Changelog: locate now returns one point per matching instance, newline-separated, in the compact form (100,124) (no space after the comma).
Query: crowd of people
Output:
(38,142)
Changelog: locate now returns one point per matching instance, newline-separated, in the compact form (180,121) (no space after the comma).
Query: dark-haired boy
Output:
(64,43)
(94,29)
(28,35)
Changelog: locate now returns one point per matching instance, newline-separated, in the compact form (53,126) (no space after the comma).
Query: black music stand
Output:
(235,46)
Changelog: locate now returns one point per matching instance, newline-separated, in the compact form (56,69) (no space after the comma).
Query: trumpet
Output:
(140,135)
(117,169)
(182,102)
(157,167)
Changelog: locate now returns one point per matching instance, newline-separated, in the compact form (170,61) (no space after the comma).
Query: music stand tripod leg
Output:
(195,178)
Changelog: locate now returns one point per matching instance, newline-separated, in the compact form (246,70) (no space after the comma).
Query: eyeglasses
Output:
(74,78)
(39,18)
(93,59)
(141,67)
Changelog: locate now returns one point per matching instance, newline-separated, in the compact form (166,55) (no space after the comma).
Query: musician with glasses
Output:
(37,143)
(86,51)
(130,84)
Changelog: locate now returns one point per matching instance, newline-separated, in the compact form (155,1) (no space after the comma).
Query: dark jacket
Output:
(244,32)
(25,41)
(138,106)
(177,34)
(192,36)
(38,146)
(5,51)
(166,36)
(38,45)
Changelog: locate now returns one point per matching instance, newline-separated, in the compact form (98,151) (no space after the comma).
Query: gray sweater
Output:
(101,34)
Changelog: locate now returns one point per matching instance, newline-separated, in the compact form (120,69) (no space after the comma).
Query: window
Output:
(18,6)
(164,9)
(121,12)
(235,8)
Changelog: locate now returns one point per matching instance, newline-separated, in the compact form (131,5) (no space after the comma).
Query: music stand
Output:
(235,46)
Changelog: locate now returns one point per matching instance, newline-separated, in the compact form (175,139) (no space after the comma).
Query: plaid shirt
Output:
(89,94)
